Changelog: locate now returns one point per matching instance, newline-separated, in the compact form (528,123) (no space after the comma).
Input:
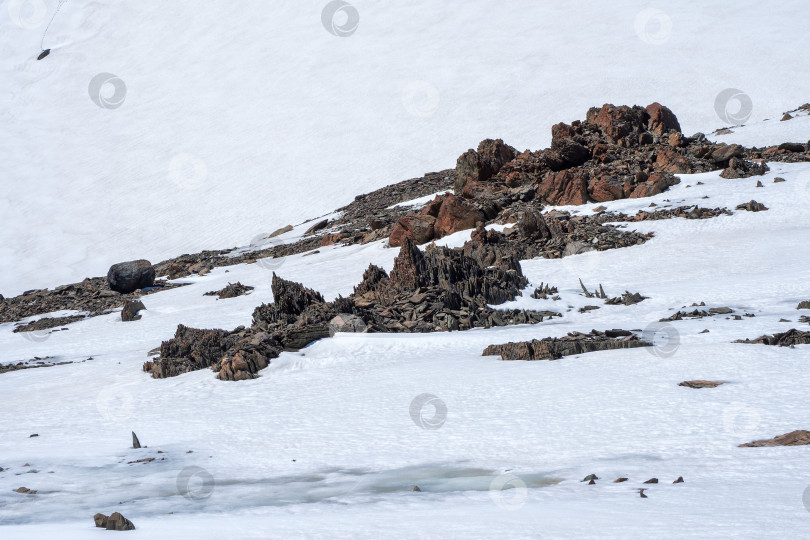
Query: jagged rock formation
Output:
(438,290)
(573,343)
(785,339)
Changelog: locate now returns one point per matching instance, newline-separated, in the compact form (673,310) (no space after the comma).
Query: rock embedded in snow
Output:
(116,522)
(799,437)
(573,343)
(346,322)
(752,206)
(700,384)
(785,339)
(231,291)
(804,305)
(127,277)
(131,309)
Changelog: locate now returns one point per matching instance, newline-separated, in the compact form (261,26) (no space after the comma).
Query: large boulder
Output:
(661,120)
(456,214)
(564,187)
(127,277)
(418,227)
(480,165)
(616,123)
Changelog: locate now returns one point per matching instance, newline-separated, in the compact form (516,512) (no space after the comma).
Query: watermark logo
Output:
(107,91)
(508,491)
(263,242)
(733,106)
(664,337)
(420,99)
(115,404)
(806,498)
(37,336)
(741,420)
(27,14)
(428,401)
(195,483)
(340,18)
(653,26)
(187,171)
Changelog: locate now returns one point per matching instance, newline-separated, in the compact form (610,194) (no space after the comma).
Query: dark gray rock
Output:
(131,309)
(127,277)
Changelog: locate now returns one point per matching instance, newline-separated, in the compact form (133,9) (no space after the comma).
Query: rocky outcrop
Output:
(440,289)
(417,227)
(474,167)
(785,339)
(127,277)
(799,437)
(661,120)
(573,343)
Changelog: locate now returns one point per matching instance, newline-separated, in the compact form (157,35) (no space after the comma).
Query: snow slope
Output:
(323,444)
(239,118)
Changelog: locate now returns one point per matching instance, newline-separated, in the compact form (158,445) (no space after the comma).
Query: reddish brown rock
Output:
(672,162)
(480,165)
(618,122)
(661,120)
(564,187)
(655,184)
(799,437)
(456,214)
(605,188)
(418,227)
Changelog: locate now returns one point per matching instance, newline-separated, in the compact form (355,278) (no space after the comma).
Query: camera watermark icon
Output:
(741,420)
(340,18)
(187,171)
(37,336)
(664,337)
(115,404)
(427,401)
(733,106)
(263,242)
(508,491)
(195,483)
(653,26)
(27,14)
(420,99)
(107,91)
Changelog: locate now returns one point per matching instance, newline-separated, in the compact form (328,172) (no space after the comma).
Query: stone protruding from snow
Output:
(115,522)
(799,437)
(131,309)
(127,277)
(573,343)
(346,322)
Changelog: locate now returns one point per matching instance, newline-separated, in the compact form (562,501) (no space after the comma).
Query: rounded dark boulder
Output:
(128,276)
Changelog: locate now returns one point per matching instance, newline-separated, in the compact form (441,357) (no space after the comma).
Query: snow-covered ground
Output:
(285,122)
(323,445)
(240,118)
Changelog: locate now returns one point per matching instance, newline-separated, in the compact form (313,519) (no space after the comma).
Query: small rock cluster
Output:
(573,343)
(113,522)
(785,339)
